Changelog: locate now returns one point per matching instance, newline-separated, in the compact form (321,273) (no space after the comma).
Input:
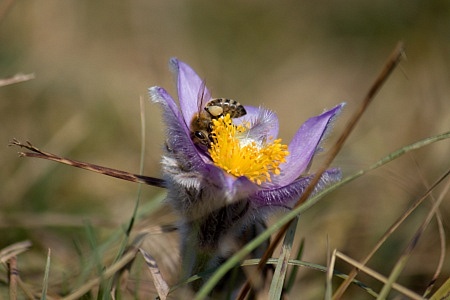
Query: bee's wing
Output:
(203,96)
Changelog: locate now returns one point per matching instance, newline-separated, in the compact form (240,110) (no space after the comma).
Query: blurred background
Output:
(94,60)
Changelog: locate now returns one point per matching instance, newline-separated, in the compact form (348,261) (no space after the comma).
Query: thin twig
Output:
(13,274)
(378,276)
(35,152)
(110,271)
(442,237)
(160,284)
(339,292)
(16,79)
(401,263)
(13,250)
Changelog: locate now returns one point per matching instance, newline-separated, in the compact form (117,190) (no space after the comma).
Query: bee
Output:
(201,124)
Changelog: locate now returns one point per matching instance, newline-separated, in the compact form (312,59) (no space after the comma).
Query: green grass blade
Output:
(293,275)
(443,292)
(46,275)
(276,287)
(297,263)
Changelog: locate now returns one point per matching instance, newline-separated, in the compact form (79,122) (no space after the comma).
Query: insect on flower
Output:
(201,125)
(224,192)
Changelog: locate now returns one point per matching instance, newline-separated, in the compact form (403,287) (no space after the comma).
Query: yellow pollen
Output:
(240,157)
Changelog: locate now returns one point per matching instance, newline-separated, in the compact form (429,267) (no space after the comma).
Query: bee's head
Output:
(200,137)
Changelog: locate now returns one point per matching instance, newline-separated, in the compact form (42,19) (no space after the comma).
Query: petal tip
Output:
(338,108)
(155,93)
(174,64)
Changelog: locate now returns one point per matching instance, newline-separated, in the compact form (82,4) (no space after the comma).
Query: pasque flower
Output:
(223,189)
(284,185)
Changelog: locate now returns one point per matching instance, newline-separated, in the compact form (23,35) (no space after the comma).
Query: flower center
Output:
(238,155)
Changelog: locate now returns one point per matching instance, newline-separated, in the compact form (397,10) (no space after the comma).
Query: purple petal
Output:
(230,187)
(287,195)
(252,112)
(303,146)
(191,88)
(264,123)
(178,137)
(160,95)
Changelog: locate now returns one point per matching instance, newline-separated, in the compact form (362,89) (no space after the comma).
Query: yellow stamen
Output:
(239,156)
